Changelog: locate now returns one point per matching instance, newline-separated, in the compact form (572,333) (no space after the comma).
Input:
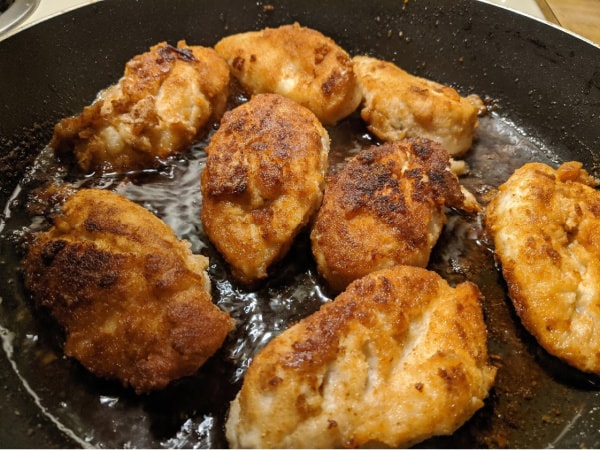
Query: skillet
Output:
(543,90)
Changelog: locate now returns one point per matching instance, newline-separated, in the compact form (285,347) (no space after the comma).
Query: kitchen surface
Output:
(581,17)
(578,16)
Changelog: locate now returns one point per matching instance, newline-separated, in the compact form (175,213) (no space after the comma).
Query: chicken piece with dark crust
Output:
(263,182)
(385,207)
(399,105)
(399,357)
(133,300)
(545,224)
(157,109)
(297,62)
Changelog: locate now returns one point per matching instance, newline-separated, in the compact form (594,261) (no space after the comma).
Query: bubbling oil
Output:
(191,412)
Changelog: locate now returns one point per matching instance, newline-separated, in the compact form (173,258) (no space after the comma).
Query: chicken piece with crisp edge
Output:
(133,300)
(397,358)
(398,105)
(165,98)
(545,225)
(297,62)
(263,182)
(385,207)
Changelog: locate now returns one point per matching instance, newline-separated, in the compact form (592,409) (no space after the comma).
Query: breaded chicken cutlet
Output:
(399,357)
(297,62)
(164,99)
(385,207)
(263,181)
(545,225)
(398,105)
(133,300)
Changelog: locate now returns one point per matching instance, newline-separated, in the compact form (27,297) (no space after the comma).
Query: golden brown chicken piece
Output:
(385,207)
(399,357)
(263,181)
(398,105)
(133,300)
(165,98)
(546,229)
(297,62)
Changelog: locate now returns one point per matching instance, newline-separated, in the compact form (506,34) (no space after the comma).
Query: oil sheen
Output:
(191,412)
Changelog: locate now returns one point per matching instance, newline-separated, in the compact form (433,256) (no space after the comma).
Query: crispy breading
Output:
(399,105)
(297,62)
(385,207)
(545,225)
(399,357)
(263,181)
(164,99)
(133,300)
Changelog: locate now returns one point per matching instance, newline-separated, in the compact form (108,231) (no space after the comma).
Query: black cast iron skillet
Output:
(543,90)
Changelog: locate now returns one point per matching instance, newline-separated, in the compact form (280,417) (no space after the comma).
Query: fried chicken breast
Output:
(385,207)
(545,225)
(398,105)
(400,356)
(263,181)
(164,99)
(297,62)
(133,300)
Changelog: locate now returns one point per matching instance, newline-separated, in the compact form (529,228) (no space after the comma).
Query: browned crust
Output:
(263,181)
(131,107)
(132,299)
(378,210)
(544,223)
(322,71)
(324,375)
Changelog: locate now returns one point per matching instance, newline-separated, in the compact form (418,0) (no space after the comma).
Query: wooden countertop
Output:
(579,16)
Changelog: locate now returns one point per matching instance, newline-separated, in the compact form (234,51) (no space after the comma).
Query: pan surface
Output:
(542,86)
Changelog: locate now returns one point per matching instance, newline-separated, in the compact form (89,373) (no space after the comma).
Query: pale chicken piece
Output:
(545,225)
(398,105)
(263,182)
(133,300)
(399,357)
(157,109)
(385,207)
(297,62)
